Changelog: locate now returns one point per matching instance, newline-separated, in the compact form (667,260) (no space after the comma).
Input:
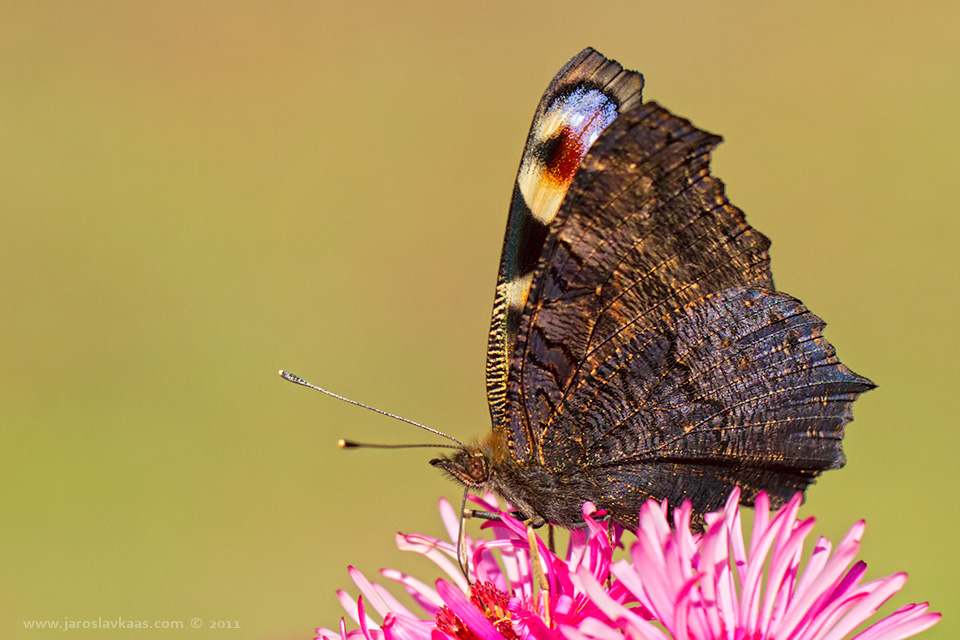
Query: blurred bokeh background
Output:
(194,195)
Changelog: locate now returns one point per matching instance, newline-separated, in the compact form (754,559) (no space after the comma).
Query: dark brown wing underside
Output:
(644,231)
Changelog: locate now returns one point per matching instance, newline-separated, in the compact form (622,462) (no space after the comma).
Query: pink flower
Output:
(502,602)
(676,584)
(710,586)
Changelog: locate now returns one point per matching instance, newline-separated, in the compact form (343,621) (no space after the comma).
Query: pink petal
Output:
(423,594)
(352,608)
(802,593)
(439,552)
(588,632)
(486,569)
(402,628)
(717,584)
(780,526)
(394,606)
(688,542)
(368,591)
(365,621)
(728,599)
(657,591)
(867,606)
(687,621)
(576,547)
(811,597)
(906,621)
(761,520)
(516,563)
(451,520)
(782,569)
(616,611)
(536,627)
(327,634)
(520,531)
(598,629)
(598,551)
(487,503)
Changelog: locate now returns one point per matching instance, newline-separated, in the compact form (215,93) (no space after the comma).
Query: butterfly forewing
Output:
(583,99)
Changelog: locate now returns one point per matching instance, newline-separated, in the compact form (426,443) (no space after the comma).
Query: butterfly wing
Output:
(641,360)
(736,388)
(585,96)
(644,230)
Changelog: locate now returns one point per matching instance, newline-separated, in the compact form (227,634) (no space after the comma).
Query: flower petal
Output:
(867,606)
(405,628)
(423,594)
(625,618)
(367,590)
(450,518)
(439,552)
(813,594)
(903,623)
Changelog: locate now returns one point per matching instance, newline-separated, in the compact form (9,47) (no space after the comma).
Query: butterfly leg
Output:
(481,515)
(536,523)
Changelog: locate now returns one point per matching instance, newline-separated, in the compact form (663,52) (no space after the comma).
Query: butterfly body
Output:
(638,347)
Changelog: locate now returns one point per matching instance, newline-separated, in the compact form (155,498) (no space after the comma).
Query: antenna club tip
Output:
(286,375)
(342,443)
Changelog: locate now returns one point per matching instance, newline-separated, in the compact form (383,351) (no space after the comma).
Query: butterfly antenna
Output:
(352,444)
(286,375)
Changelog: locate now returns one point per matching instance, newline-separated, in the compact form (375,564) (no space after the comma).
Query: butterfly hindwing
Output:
(737,388)
(585,96)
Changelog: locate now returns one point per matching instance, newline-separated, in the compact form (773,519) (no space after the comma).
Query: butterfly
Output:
(638,348)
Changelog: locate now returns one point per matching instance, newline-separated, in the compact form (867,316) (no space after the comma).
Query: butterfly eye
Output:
(477,468)
(468,467)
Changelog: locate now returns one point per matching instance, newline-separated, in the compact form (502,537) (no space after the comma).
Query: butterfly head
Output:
(470,466)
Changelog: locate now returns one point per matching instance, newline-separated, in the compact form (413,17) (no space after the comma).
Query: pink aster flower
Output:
(501,601)
(711,586)
(676,584)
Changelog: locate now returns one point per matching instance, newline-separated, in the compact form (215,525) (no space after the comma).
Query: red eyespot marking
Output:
(569,149)
(567,153)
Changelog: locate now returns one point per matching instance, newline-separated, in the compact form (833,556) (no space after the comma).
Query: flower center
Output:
(491,602)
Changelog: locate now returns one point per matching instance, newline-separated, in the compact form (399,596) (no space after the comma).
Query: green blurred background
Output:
(194,195)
